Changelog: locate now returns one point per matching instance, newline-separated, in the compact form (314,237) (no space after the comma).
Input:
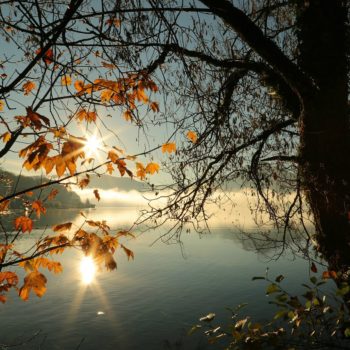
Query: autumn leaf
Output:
(169,147)
(151,168)
(329,274)
(192,136)
(4,205)
(127,115)
(154,106)
(88,116)
(2,104)
(97,195)
(3,299)
(108,65)
(52,194)
(110,263)
(35,281)
(24,224)
(140,171)
(48,56)
(110,168)
(28,87)
(6,137)
(129,253)
(313,268)
(141,95)
(79,85)
(38,208)
(62,227)
(66,80)
(113,21)
(60,166)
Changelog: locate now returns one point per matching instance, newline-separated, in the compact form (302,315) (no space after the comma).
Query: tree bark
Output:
(324,127)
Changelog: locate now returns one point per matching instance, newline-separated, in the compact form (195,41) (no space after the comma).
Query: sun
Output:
(87,269)
(92,145)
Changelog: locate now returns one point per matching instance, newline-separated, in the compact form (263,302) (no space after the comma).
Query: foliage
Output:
(54,96)
(248,96)
(318,319)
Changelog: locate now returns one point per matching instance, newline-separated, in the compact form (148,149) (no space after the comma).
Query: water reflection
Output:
(87,269)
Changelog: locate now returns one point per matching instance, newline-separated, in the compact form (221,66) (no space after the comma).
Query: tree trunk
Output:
(325,136)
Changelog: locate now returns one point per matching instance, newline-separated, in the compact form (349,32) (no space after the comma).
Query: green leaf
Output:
(347,332)
(343,291)
(194,329)
(280,313)
(313,279)
(272,288)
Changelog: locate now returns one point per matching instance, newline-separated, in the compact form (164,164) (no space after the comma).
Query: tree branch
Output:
(250,33)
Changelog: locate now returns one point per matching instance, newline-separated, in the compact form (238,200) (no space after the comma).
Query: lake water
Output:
(148,303)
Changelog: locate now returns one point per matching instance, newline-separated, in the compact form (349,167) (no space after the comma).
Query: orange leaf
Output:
(140,170)
(129,253)
(62,227)
(127,115)
(97,195)
(154,106)
(192,136)
(3,299)
(36,281)
(28,87)
(2,104)
(4,205)
(52,194)
(48,57)
(66,80)
(38,207)
(24,224)
(169,147)
(60,166)
(83,114)
(6,137)
(151,168)
(116,22)
(79,85)
(110,168)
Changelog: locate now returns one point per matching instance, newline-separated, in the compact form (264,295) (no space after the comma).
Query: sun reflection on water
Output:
(87,269)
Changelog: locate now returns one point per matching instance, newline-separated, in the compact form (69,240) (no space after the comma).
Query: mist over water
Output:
(148,303)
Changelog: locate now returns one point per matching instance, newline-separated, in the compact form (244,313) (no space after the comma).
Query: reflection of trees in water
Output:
(272,243)
(51,218)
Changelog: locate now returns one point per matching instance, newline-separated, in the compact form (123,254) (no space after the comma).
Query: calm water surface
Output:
(148,303)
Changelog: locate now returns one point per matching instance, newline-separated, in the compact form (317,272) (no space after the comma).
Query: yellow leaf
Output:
(110,168)
(6,137)
(66,80)
(28,87)
(140,171)
(151,168)
(169,147)
(2,104)
(192,136)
